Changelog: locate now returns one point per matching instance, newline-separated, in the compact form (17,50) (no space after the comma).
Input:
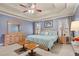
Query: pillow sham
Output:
(50,33)
(42,33)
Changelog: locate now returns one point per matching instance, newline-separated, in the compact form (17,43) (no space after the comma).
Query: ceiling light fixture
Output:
(31,8)
(31,11)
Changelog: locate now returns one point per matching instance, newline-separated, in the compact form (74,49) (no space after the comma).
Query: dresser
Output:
(12,38)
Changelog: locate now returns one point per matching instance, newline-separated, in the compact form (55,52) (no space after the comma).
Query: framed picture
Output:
(48,24)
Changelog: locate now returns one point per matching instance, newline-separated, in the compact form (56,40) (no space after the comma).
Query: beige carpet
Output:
(60,50)
(63,50)
(57,50)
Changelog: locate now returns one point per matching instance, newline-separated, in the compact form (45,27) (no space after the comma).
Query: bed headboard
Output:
(49,30)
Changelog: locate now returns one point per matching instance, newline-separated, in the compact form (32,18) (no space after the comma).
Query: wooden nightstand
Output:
(62,39)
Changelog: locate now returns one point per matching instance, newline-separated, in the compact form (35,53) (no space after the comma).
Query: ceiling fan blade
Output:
(25,11)
(38,10)
(23,5)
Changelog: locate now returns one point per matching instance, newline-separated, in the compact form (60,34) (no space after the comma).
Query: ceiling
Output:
(49,10)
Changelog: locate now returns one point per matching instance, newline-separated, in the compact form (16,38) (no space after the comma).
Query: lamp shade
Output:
(75,26)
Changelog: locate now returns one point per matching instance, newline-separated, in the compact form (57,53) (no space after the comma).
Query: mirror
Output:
(13,27)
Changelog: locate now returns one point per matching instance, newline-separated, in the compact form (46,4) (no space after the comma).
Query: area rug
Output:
(20,51)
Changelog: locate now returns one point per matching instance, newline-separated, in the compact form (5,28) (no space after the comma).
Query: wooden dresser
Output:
(12,38)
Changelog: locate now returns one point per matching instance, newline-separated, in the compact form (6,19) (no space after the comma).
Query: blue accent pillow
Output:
(42,33)
(54,33)
(50,33)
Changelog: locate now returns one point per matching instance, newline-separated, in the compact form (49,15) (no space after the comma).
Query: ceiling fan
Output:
(30,7)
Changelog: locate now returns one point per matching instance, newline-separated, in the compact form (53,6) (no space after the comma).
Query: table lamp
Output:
(74,26)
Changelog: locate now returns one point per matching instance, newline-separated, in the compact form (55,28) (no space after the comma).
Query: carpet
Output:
(61,50)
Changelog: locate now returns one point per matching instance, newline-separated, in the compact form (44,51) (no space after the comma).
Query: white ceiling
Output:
(49,10)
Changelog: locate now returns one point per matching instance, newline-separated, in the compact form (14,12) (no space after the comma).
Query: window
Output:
(37,28)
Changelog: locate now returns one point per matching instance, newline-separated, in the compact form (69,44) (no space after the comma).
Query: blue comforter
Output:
(46,40)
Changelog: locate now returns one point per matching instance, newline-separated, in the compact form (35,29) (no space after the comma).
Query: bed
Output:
(45,39)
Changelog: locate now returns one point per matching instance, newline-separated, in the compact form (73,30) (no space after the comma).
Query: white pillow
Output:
(46,33)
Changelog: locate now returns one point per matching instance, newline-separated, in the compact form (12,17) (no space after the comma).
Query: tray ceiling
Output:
(49,10)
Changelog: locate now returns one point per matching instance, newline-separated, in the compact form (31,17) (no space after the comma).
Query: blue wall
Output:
(59,23)
(25,26)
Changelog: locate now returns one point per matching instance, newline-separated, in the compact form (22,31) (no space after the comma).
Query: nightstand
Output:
(62,39)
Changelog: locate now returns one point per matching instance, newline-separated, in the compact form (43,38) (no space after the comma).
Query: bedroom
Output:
(46,25)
